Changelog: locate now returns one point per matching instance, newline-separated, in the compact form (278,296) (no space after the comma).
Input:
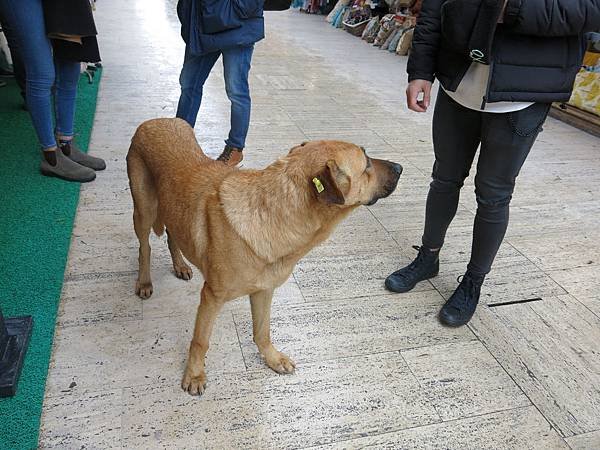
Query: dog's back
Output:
(166,143)
(168,171)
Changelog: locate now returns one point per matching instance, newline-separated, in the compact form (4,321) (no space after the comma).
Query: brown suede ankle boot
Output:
(231,156)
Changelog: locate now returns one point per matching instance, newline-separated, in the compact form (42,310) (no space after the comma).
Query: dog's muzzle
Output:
(395,170)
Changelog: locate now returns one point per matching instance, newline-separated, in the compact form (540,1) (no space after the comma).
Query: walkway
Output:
(373,369)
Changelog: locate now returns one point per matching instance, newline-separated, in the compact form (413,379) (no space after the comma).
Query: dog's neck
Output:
(275,211)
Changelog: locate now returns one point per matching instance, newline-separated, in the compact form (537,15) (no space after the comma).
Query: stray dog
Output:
(244,229)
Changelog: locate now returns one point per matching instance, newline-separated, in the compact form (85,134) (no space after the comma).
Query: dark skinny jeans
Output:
(505,139)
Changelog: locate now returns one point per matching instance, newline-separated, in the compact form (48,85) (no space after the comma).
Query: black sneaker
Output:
(461,306)
(426,265)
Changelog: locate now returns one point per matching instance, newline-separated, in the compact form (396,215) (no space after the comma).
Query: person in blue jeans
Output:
(52,67)
(15,55)
(210,29)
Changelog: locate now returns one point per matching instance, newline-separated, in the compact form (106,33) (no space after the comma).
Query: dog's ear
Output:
(329,183)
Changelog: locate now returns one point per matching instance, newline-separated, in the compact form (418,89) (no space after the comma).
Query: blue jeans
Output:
(236,65)
(26,18)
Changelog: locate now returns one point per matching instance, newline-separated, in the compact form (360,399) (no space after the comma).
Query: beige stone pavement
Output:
(374,369)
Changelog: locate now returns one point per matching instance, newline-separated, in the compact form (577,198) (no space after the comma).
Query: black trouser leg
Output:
(506,141)
(456,134)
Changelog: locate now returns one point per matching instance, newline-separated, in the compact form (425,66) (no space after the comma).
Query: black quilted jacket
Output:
(533,56)
(72,17)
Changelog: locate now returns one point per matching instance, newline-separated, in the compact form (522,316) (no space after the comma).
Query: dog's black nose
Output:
(397,168)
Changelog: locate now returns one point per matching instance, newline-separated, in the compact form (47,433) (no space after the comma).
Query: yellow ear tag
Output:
(318,185)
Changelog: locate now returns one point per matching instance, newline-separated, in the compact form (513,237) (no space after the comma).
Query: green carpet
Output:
(36,220)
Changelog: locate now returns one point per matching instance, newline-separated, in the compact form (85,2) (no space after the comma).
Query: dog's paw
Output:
(143,290)
(281,363)
(183,271)
(194,385)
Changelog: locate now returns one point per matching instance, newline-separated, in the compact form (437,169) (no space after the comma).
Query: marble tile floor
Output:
(374,370)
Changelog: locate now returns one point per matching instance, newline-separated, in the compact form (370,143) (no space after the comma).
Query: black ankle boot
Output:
(426,265)
(461,306)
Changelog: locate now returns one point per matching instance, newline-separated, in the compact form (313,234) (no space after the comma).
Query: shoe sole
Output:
(403,291)
(452,324)
(55,175)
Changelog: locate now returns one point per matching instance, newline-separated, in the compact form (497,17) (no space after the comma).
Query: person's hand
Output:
(414,90)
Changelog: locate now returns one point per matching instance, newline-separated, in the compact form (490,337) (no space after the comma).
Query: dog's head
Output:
(343,174)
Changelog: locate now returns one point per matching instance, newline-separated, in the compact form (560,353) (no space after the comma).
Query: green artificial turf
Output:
(36,220)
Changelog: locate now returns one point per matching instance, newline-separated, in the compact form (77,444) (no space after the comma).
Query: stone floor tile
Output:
(586,441)
(348,276)
(320,403)
(550,348)
(358,326)
(112,252)
(463,379)
(334,310)
(173,297)
(582,283)
(107,356)
(516,429)
(563,219)
(555,251)
(89,420)
(88,301)
(409,215)
(513,278)
(365,238)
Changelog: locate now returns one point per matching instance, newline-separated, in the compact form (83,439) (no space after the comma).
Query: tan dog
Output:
(244,229)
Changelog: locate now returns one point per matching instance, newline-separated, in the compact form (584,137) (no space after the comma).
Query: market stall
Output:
(583,108)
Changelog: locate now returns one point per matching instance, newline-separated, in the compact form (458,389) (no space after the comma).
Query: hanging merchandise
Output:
(390,38)
(395,39)
(586,90)
(358,17)
(371,30)
(317,6)
(405,42)
(392,31)
(583,108)
(338,17)
(388,25)
(355,29)
(343,17)
(339,6)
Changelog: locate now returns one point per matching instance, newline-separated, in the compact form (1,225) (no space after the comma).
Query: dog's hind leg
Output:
(260,303)
(181,268)
(194,377)
(145,205)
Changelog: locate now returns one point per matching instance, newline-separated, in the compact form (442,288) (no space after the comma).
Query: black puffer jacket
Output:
(533,56)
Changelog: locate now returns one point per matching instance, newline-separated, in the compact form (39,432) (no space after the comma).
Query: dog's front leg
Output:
(194,377)
(260,303)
